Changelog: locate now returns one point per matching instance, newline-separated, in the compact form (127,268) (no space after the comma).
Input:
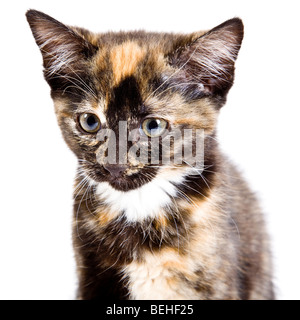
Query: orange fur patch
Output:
(160,222)
(124,59)
(104,217)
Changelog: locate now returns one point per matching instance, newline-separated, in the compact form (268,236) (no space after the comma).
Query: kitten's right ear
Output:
(61,47)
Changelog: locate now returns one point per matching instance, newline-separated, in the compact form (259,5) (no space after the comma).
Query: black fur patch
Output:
(125,102)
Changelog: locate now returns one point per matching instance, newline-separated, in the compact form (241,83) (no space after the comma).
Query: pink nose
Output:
(116,170)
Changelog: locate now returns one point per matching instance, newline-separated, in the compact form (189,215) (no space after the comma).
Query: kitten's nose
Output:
(115,170)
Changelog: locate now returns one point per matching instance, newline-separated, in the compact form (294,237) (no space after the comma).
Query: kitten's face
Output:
(120,96)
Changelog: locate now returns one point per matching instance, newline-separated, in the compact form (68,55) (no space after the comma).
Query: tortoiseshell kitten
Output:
(153,229)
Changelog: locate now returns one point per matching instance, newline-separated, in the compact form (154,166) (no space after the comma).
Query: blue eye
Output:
(154,127)
(89,122)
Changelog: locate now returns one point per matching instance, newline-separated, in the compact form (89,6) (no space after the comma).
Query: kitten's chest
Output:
(168,255)
(149,253)
(161,249)
(162,275)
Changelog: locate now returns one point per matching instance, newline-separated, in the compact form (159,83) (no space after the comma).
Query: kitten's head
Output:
(119,96)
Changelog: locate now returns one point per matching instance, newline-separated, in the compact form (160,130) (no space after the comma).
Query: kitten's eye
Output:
(89,122)
(154,127)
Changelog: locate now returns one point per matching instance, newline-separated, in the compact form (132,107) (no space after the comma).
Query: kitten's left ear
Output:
(62,48)
(206,62)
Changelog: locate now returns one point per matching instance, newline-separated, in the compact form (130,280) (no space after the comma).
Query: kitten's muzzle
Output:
(115,170)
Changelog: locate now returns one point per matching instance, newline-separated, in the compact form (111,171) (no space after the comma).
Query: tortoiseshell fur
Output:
(156,231)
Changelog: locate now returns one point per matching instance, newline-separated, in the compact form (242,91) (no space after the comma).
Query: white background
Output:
(258,128)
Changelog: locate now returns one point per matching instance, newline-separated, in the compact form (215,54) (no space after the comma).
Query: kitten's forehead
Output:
(125,59)
(134,57)
(126,72)
(118,69)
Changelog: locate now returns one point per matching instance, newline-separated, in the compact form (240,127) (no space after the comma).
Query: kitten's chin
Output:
(127,182)
(123,185)
(121,180)
(130,182)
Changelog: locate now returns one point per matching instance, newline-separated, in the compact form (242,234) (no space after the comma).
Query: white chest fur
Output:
(144,202)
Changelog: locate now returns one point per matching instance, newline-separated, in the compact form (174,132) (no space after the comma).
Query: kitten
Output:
(145,228)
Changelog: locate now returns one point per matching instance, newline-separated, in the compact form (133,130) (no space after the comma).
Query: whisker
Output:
(180,216)
(75,85)
(200,173)
(78,208)
(80,186)
(176,86)
(66,63)
(85,183)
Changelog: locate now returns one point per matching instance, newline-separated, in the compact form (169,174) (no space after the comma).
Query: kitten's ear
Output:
(61,47)
(206,63)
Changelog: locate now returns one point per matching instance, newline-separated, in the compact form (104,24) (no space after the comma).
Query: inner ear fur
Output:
(206,64)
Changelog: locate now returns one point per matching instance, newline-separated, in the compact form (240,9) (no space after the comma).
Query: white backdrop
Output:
(258,128)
